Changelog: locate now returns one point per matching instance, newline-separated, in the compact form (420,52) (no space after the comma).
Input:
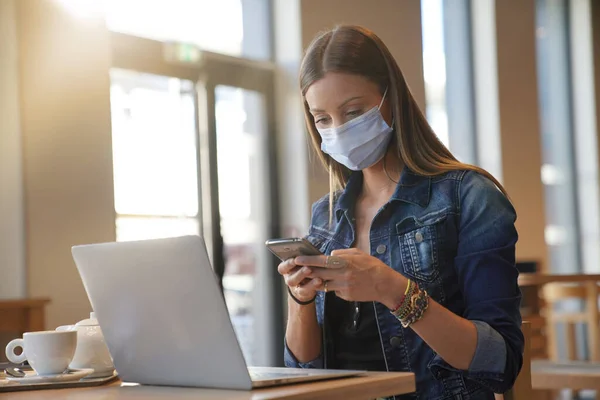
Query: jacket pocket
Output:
(419,247)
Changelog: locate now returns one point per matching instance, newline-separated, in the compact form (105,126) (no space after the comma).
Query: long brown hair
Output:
(357,50)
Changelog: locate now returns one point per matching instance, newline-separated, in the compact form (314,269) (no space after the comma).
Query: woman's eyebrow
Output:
(340,106)
(349,100)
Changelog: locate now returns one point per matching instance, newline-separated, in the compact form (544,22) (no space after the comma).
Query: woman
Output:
(419,267)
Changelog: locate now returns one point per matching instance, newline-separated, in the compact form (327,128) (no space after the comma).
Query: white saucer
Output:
(67,376)
(102,374)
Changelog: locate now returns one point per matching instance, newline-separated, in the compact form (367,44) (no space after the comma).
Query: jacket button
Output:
(418,237)
(381,249)
(396,342)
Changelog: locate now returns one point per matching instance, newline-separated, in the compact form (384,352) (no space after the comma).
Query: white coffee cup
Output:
(48,352)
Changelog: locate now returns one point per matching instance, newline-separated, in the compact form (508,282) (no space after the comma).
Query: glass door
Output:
(194,153)
(240,211)
(154,155)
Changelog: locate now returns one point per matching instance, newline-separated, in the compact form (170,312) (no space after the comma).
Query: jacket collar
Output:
(412,188)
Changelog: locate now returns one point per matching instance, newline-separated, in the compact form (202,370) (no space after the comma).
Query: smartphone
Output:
(288,248)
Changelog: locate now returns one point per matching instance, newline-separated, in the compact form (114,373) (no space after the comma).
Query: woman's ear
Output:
(386,112)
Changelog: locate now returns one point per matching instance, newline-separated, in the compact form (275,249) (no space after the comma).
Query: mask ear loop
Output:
(385,156)
(382,99)
(380,104)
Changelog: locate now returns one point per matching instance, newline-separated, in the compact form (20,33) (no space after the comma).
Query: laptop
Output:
(165,320)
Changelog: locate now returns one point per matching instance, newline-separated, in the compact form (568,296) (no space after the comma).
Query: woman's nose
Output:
(338,121)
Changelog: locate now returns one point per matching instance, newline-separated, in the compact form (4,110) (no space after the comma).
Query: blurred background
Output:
(135,119)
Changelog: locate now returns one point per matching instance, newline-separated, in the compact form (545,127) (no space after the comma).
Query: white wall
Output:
(291,136)
(12,232)
(64,63)
(520,140)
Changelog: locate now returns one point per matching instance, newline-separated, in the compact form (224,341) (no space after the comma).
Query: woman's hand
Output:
(355,276)
(298,280)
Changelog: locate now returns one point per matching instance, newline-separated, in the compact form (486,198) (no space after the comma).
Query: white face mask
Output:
(360,142)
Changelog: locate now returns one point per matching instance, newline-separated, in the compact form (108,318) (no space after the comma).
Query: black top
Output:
(356,339)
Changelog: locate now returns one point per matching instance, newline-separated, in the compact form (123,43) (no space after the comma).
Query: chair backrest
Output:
(586,291)
(522,387)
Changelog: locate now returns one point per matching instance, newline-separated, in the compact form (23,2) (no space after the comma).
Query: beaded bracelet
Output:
(419,303)
(407,303)
(401,302)
(412,306)
(404,307)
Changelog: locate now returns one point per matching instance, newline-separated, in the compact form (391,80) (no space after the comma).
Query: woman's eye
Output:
(321,120)
(354,113)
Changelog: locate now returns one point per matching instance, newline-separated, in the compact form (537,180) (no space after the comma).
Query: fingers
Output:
(286,266)
(307,290)
(295,278)
(326,274)
(333,285)
(342,252)
(313,261)
(321,261)
(336,262)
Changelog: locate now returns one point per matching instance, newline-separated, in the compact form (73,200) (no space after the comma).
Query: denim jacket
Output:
(454,235)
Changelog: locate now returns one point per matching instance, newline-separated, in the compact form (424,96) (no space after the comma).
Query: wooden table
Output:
(576,375)
(20,316)
(368,386)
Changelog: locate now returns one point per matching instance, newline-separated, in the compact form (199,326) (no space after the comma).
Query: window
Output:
(453,72)
(569,138)
(569,168)
(154,156)
(586,132)
(434,67)
(233,27)
(557,136)
(240,119)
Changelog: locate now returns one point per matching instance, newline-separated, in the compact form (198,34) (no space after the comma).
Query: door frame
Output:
(209,70)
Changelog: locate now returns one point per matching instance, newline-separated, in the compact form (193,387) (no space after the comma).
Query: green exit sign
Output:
(187,53)
(181,53)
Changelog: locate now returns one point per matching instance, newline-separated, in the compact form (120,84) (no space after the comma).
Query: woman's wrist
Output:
(392,290)
(299,301)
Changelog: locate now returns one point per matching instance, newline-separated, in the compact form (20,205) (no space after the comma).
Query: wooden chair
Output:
(556,292)
(522,387)
(532,304)
(586,291)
